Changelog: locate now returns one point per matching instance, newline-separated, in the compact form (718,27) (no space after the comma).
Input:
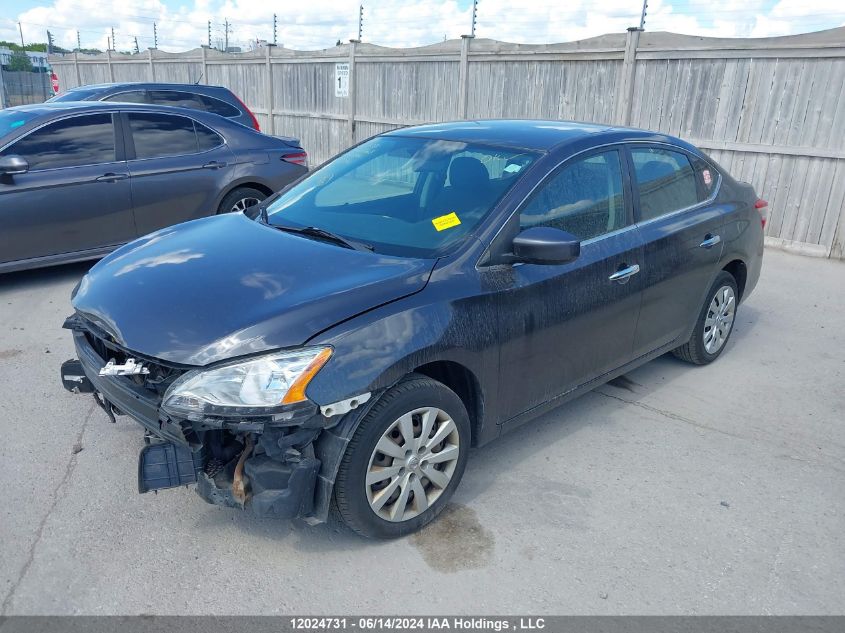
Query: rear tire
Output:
(715,323)
(423,427)
(241,200)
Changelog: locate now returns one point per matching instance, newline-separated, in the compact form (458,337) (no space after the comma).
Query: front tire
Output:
(242,200)
(404,461)
(714,325)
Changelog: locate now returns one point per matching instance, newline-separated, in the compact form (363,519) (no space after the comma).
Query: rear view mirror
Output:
(10,165)
(546,245)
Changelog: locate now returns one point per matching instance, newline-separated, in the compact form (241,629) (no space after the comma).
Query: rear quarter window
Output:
(217,106)
(207,138)
(706,177)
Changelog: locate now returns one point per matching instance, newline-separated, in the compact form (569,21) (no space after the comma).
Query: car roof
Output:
(49,108)
(143,84)
(530,134)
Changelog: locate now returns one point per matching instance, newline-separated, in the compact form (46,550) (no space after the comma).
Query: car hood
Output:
(226,286)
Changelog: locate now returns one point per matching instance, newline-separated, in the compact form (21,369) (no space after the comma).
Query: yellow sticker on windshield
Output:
(446,221)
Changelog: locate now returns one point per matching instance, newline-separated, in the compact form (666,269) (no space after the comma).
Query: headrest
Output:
(655,170)
(468,172)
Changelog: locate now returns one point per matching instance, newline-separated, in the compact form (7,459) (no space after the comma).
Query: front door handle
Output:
(111,177)
(214,164)
(710,241)
(624,274)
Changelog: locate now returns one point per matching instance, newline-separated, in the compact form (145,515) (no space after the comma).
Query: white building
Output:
(38,59)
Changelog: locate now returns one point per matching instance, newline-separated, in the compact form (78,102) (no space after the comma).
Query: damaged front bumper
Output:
(264,465)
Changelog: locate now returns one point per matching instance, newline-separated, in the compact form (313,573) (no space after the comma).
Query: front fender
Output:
(374,351)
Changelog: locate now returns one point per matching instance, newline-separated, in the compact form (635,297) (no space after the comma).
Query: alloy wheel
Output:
(719,319)
(243,204)
(412,464)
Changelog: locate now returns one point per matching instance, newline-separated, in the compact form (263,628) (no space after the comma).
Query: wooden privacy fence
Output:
(771,110)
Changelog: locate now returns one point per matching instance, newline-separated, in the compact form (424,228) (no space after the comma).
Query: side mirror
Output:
(13,164)
(546,245)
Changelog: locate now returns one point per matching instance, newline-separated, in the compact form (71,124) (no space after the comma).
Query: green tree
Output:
(19,60)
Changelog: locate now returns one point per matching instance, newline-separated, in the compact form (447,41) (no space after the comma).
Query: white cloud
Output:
(319,23)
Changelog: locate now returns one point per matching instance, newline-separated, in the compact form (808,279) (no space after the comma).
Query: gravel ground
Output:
(680,490)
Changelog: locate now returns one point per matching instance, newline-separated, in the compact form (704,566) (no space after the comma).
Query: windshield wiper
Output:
(262,207)
(323,234)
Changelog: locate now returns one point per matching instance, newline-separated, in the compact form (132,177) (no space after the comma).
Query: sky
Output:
(315,24)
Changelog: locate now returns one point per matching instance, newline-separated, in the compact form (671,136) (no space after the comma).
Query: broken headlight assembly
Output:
(258,386)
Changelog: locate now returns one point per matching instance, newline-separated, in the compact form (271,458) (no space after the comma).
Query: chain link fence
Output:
(21,88)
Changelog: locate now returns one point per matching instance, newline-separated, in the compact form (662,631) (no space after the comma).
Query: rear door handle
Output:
(111,177)
(710,241)
(214,165)
(622,276)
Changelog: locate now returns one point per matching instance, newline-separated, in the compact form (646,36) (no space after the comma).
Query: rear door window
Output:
(665,180)
(71,142)
(178,98)
(133,96)
(160,135)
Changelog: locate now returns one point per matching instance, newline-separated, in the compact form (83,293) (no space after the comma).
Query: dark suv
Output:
(424,292)
(214,99)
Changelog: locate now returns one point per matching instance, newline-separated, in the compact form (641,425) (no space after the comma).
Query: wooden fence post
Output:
(351,125)
(268,95)
(463,81)
(3,102)
(204,50)
(625,90)
(76,67)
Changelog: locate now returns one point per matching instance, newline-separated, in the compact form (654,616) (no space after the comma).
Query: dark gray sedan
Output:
(79,179)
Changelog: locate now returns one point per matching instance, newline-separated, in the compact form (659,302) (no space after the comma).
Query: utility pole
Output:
(226,36)
(209,34)
(78,42)
(474,16)
(155,36)
(20,28)
(137,50)
(274,29)
(49,42)
(642,15)
(113,45)
(360,21)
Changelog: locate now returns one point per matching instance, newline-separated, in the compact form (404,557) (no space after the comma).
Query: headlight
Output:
(259,386)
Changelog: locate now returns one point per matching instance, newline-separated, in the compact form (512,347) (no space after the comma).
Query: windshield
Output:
(410,197)
(11,120)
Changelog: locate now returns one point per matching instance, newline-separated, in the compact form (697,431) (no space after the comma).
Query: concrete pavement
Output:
(681,490)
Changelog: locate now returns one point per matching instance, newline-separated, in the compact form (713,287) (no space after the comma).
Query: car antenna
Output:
(196,83)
